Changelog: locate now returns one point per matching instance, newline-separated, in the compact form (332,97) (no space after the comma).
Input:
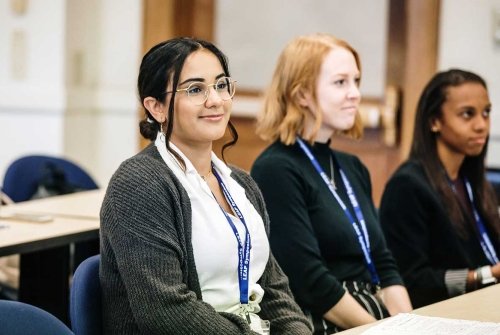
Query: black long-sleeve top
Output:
(311,237)
(422,237)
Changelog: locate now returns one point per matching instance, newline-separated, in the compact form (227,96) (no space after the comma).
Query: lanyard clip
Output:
(244,312)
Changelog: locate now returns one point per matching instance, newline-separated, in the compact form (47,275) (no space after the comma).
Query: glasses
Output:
(198,91)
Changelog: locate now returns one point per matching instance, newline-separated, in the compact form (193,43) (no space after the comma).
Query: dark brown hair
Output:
(160,65)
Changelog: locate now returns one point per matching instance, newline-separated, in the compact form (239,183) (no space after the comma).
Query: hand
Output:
(396,299)
(495,270)
(347,313)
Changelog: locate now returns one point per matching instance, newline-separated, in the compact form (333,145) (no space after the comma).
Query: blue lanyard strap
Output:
(484,239)
(361,233)
(243,250)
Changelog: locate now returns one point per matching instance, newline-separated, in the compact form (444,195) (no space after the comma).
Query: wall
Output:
(103,50)
(68,86)
(67,81)
(32,94)
(253,33)
(466,41)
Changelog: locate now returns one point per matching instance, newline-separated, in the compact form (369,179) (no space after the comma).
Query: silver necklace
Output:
(332,179)
(207,175)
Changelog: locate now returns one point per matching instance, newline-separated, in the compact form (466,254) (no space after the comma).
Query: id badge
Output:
(254,321)
(258,325)
(266,327)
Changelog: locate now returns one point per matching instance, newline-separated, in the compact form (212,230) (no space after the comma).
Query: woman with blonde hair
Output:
(324,228)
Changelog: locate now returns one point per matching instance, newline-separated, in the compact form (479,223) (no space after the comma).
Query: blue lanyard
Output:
(361,234)
(243,250)
(484,239)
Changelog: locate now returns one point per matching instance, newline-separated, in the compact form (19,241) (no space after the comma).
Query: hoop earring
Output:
(162,134)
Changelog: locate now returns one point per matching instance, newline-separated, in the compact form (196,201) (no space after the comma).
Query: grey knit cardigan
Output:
(148,272)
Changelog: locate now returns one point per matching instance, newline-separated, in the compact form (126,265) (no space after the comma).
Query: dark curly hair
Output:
(160,65)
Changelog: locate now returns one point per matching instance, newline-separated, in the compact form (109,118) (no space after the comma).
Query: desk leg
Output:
(84,250)
(44,281)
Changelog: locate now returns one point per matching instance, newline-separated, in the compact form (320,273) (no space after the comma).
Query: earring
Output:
(162,134)
(434,129)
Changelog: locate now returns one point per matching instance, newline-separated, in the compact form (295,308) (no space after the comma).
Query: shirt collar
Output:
(221,167)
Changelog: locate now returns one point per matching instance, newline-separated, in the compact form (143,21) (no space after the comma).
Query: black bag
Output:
(53,181)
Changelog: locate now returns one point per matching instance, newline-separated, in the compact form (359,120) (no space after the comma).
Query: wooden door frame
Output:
(164,19)
(412,57)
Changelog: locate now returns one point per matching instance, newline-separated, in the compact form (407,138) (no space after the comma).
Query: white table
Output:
(480,305)
(83,205)
(44,247)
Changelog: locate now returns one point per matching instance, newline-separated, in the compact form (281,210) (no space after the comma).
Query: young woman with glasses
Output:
(184,246)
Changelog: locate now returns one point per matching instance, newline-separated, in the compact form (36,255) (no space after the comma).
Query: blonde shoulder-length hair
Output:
(297,72)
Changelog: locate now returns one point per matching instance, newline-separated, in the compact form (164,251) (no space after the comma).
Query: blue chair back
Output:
(493,176)
(85,298)
(24,174)
(17,318)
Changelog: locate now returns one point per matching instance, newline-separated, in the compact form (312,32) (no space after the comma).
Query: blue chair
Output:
(17,318)
(493,176)
(85,298)
(21,181)
(24,175)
